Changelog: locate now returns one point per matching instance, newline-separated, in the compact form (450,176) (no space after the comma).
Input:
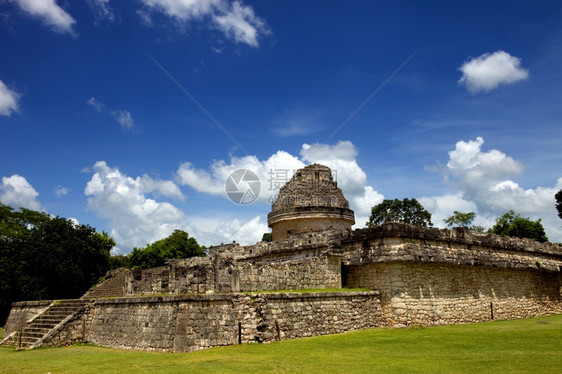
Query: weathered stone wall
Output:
(305,273)
(136,323)
(311,221)
(22,312)
(297,315)
(73,331)
(189,323)
(398,242)
(420,276)
(192,275)
(437,294)
(297,246)
(308,267)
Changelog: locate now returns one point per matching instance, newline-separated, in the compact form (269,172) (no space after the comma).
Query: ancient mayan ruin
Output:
(409,275)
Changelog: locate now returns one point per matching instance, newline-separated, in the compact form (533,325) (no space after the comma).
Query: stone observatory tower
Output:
(311,200)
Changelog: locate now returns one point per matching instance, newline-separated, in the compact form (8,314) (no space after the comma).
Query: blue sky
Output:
(129,116)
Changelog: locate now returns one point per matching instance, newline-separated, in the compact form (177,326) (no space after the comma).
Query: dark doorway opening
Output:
(344,275)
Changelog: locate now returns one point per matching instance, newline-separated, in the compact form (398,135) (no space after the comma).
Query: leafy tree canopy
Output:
(460,219)
(558,198)
(177,245)
(512,224)
(267,237)
(406,210)
(47,258)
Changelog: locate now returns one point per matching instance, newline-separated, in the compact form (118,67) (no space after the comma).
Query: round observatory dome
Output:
(310,201)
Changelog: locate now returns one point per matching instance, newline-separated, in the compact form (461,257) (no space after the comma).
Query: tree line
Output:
(46,258)
(177,245)
(412,212)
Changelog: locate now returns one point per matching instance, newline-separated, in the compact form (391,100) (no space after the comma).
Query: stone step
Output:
(44,325)
(25,341)
(48,320)
(70,301)
(65,308)
(35,328)
(56,314)
(40,332)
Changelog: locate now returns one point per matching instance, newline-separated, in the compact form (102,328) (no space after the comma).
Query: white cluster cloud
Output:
(484,181)
(486,72)
(210,231)
(273,173)
(161,187)
(442,207)
(279,168)
(136,219)
(123,117)
(236,20)
(472,170)
(50,13)
(18,193)
(8,100)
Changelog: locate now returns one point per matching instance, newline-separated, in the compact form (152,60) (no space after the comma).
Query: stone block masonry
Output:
(294,315)
(418,276)
(22,312)
(438,294)
(190,323)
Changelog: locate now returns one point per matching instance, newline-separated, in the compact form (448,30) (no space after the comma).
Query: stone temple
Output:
(393,275)
(310,201)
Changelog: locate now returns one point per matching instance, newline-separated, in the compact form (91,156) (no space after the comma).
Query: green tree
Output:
(47,258)
(558,198)
(406,210)
(460,219)
(119,261)
(512,224)
(177,245)
(267,237)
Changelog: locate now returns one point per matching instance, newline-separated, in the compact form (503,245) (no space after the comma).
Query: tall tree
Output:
(460,219)
(177,245)
(512,224)
(406,210)
(47,258)
(558,198)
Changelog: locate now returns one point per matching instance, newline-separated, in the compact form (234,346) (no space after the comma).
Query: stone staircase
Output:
(113,286)
(45,324)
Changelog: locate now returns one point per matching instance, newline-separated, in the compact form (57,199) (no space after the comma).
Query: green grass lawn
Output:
(523,346)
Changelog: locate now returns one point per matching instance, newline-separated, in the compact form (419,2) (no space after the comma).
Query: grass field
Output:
(523,346)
